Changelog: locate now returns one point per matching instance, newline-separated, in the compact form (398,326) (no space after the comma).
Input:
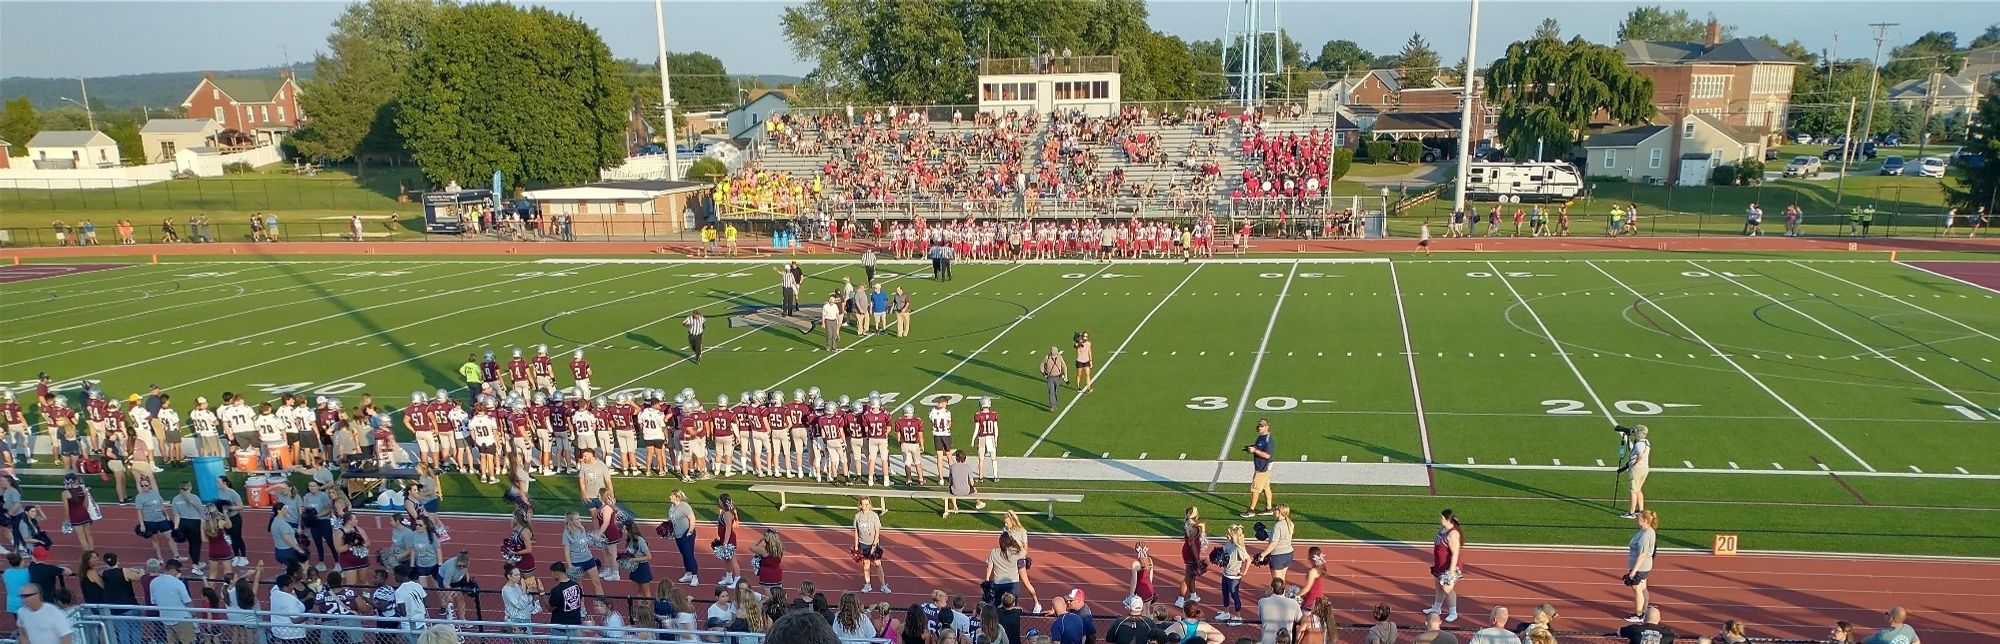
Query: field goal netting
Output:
(1346,217)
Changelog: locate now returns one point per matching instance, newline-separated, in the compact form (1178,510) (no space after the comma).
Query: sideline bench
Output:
(882,496)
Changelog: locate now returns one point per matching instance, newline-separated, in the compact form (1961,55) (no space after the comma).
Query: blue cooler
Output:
(206,470)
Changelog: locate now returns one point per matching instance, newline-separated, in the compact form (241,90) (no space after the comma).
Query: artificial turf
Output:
(1832,359)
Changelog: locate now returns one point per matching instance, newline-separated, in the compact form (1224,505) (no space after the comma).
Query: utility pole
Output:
(1465,112)
(666,94)
(1874,78)
(88,116)
(1848,133)
(1930,104)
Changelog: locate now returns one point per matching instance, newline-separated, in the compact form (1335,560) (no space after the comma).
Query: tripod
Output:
(1618,476)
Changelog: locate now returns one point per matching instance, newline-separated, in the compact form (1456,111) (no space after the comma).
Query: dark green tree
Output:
(701,83)
(528,92)
(124,130)
(1820,95)
(1988,38)
(707,169)
(1656,23)
(1548,90)
(18,123)
(353,95)
(1417,62)
(1971,187)
(1343,57)
(1170,72)
(1549,29)
(1937,50)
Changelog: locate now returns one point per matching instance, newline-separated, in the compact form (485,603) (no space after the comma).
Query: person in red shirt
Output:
(910,439)
(520,376)
(831,460)
(16,422)
(694,454)
(579,369)
(875,427)
(759,424)
(544,370)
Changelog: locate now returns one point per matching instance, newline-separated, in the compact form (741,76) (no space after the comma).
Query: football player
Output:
(694,454)
(940,417)
(523,432)
(207,442)
(986,432)
(483,425)
(579,369)
(520,376)
(489,374)
(625,428)
(16,421)
(722,427)
(875,425)
(910,437)
(583,426)
(562,414)
(800,447)
(652,420)
(539,413)
(455,436)
(759,425)
(544,370)
(95,410)
(832,445)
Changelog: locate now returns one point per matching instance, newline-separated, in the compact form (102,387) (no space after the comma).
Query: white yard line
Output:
(830,355)
(428,320)
(455,346)
(1982,287)
(1249,383)
(299,324)
(1410,356)
(1905,302)
(1114,358)
(717,345)
(1003,333)
(1560,350)
(1723,470)
(88,346)
(1940,387)
(200,301)
(1739,368)
(104,275)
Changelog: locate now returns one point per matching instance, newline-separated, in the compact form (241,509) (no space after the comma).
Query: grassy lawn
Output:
(1370,170)
(1751,371)
(309,206)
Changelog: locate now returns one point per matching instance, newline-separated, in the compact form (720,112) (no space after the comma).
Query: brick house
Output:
(263,107)
(1745,83)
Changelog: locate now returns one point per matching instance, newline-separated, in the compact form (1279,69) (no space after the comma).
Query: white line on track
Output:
(1114,358)
(1003,333)
(322,319)
(1739,368)
(1560,351)
(1947,390)
(1410,357)
(717,345)
(475,341)
(830,355)
(1249,383)
(128,339)
(194,302)
(1904,301)
(1982,287)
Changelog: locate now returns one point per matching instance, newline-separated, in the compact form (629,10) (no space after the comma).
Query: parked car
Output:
(1892,166)
(1839,153)
(1892,138)
(1802,138)
(1803,166)
(1770,154)
(1931,167)
(1968,159)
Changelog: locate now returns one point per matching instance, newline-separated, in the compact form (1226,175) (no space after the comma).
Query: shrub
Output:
(1410,151)
(707,169)
(1750,172)
(1723,176)
(1343,160)
(1378,151)
(238,167)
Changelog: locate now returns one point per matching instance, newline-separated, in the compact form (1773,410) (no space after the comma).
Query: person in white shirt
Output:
(1278,612)
(170,431)
(170,600)
(410,601)
(1497,633)
(271,435)
(940,417)
(286,611)
(206,427)
(829,317)
(40,621)
(653,431)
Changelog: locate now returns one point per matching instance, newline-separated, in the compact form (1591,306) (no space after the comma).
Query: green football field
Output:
(1824,401)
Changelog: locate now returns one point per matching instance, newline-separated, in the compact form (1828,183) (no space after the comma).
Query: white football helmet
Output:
(541,349)
(61,401)
(7,394)
(517,352)
(599,402)
(909,410)
(624,399)
(986,403)
(541,398)
(759,396)
(722,400)
(687,393)
(798,395)
(578,354)
(415,397)
(743,397)
(813,393)
(442,396)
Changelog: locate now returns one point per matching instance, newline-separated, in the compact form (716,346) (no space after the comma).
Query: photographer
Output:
(1638,461)
(1260,476)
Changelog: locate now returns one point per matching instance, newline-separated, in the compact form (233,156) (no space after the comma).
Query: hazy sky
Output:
(84,38)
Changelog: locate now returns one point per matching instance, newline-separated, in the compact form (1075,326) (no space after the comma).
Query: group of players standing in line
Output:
(1091,239)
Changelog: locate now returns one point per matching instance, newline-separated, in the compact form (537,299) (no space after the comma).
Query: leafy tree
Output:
(1549,29)
(1549,90)
(1410,151)
(124,130)
(471,106)
(1342,57)
(1293,82)
(65,118)
(1417,63)
(1378,151)
(353,95)
(1934,50)
(1656,23)
(707,169)
(1343,160)
(700,83)
(1990,38)
(1971,187)
(1820,95)
(1169,71)
(18,123)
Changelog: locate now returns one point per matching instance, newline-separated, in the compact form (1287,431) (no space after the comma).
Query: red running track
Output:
(1794,596)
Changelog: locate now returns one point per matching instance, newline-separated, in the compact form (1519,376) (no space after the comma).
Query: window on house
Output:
(214,94)
(281,112)
(1028,91)
(1710,85)
(1756,117)
(1653,161)
(263,113)
(1715,154)
(1687,130)
(1007,92)
(166,148)
(1610,159)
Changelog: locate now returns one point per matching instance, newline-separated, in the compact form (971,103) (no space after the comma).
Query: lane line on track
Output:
(1739,367)
(1003,333)
(1256,363)
(1877,353)
(1556,344)
(1416,389)
(1906,302)
(1960,280)
(913,313)
(368,335)
(1114,358)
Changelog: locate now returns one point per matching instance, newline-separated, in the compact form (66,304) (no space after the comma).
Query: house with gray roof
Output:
(163,138)
(1741,83)
(73,149)
(261,107)
(1952,95)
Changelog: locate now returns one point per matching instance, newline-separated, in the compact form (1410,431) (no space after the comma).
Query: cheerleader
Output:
(579,544)
(215,537)
(636,560)
(767,560)
(518,548)
(81,510)
(608,525)
(725,540)
(353,556)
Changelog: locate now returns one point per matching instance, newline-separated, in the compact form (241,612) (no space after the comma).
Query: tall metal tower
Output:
(1244,45)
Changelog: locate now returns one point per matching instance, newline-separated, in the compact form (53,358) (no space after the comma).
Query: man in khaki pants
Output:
(1054,371)
(900,305)
(829,317)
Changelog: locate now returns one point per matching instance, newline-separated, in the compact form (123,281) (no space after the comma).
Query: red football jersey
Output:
(719,422)
(875,424)
(909,429)
(543,366)
(517,369)
(986,422)
(579,369)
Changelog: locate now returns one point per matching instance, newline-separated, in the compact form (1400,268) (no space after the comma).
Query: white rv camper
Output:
(1522,182)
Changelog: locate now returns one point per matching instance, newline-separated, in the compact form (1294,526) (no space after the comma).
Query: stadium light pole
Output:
(666,93)
(1465,112)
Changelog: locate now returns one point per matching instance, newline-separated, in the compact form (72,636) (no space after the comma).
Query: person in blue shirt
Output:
(1260,476)
(878,305)
(1072,623)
